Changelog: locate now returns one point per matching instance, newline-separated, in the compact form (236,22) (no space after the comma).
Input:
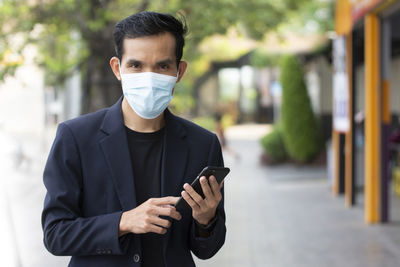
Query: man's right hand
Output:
(145,218)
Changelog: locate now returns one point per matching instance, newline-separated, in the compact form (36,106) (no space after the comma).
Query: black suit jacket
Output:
(89,181)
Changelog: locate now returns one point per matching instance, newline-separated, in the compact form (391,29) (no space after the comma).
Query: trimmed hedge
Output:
(300,130)
(274,146)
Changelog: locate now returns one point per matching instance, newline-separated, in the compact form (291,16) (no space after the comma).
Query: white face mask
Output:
(148,93)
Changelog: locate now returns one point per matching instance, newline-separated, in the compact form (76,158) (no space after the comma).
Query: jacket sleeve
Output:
(205,248)
(66,231)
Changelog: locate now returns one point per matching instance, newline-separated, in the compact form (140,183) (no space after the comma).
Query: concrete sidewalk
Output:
(287,216)
(276,216)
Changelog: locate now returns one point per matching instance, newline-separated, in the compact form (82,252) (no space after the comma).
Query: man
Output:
(113,176)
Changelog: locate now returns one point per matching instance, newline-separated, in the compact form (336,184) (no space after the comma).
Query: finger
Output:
(216,188)
(206,188)
(160,222)
(189,200)
(156,229)
(193,194)
(164,201)
(169,211)
(214,184)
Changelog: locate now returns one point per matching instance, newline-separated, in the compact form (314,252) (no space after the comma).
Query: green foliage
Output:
(182,101)
(260,59)
(314,16)
(73,34)
(274,145)
(300,129)
(205,122)
(210,123)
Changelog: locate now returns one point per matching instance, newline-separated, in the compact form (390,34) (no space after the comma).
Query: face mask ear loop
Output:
(177,75)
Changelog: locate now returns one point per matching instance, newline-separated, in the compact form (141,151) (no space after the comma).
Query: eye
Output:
(135,65)
(164,66)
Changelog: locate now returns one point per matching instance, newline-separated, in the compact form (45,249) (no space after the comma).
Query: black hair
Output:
(147,23)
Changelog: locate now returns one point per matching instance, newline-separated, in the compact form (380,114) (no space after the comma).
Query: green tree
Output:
(77,34)
(300,129)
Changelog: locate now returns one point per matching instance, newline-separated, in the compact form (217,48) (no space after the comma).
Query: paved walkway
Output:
(286,216)
(276,216)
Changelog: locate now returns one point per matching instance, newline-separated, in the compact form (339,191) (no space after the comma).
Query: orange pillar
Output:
(349,179)
(372,119)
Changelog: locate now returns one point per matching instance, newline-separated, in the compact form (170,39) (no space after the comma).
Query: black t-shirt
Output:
(146,151)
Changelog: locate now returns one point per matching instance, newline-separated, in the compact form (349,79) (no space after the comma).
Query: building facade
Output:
(366,103)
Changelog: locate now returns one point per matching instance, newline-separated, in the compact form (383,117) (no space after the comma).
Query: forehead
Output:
(151,47)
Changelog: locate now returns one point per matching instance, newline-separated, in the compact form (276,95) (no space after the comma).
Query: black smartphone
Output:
(218,172)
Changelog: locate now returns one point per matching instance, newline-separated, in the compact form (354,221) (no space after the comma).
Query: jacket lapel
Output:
(173,163)
(174,156)
(116,152)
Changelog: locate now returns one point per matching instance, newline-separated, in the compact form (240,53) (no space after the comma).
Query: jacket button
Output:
(136,258)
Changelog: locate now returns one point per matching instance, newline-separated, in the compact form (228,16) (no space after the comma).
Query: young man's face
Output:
(155,53)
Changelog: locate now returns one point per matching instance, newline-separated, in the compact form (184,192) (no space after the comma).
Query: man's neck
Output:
(134,122)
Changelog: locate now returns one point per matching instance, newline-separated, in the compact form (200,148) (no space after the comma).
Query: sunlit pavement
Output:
(276,216)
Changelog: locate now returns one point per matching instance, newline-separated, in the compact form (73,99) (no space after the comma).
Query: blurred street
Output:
(276,216)
(308,85)
(287,216)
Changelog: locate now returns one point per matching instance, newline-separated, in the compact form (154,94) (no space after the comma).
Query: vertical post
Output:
(338,141)
(342,149)
(349,177)
(386,118)
(343,26)
(336,162)
(372,119)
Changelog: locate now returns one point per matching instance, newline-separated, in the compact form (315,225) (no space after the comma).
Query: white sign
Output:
(341,121)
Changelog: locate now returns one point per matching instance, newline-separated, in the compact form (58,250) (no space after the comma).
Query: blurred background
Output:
(303,94)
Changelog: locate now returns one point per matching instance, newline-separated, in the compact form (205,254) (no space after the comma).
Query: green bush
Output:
(274,146)
(300,129)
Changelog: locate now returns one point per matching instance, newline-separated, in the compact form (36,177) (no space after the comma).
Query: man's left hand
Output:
(203,210)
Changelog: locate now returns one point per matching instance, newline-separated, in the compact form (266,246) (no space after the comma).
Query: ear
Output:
(182,69)
(114,63)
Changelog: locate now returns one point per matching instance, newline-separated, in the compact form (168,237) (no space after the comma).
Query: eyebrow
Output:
(133,61)
(165,61)
(136,61)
